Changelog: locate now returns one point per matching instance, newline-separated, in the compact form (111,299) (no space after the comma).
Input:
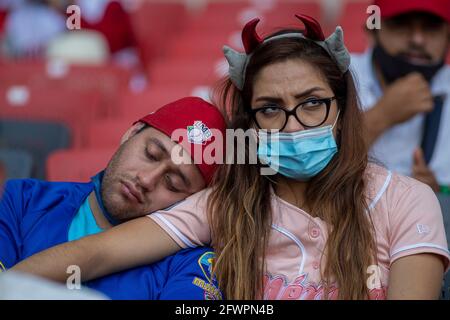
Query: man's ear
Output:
(132,132)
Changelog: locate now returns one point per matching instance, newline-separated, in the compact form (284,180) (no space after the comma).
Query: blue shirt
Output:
(36,215)
(83,224)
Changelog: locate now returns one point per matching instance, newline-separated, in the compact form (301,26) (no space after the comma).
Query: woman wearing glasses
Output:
(327,224)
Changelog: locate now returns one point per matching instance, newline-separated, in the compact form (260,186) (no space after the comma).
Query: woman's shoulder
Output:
(378,178)
(195,202)
(406,215)
(393,189)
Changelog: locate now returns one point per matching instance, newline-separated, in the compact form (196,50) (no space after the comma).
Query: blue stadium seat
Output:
(39,139)
(17,163)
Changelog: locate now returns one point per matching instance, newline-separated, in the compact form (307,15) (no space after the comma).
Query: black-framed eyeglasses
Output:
(310,113)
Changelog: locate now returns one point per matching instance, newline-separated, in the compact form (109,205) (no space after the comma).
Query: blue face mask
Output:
(298,155)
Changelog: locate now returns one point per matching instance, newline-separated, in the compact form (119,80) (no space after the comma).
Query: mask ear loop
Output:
(338,134)
(335,121)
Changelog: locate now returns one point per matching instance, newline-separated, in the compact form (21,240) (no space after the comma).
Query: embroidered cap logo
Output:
(198,133)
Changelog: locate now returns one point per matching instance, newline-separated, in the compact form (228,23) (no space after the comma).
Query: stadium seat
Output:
(107,133)
(221,17)
(136,105)
(154,24)
(77,165)
(218,17)
(106,80)
(37,138)
(353,21)
(74,109)
(199,46)
(189,72)
(282,15)
(16,163)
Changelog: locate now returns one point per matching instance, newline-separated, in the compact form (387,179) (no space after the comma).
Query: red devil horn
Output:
(250,38)
(313,30)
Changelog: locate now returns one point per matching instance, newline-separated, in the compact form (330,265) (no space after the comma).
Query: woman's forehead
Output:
(288,77)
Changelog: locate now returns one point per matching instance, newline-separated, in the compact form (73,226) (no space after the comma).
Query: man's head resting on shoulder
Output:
(142,176)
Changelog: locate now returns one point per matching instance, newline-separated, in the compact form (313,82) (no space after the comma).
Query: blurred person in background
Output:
(31,25)
(140,178)
(5,8)
(404,87)
(111,19)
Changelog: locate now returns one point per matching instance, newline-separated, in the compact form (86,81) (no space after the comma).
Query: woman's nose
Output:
(293,125)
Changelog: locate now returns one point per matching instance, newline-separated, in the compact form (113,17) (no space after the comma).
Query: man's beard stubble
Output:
(110,196)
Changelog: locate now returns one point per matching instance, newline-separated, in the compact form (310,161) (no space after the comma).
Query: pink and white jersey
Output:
(406,215)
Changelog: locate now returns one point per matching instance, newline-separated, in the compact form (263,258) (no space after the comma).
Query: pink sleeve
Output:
(416,224)
(186,222)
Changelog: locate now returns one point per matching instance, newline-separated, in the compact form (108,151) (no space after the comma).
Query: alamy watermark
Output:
(374,279)
(73,281)
(374,20)
(237,147)
(73,22)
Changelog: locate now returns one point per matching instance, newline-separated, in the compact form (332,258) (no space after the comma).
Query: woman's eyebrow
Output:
(308,92)
(297,96)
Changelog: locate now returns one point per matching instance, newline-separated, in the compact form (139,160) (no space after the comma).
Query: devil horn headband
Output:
(238,61)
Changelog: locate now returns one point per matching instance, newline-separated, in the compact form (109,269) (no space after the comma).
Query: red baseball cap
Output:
(390,8)
(195,124)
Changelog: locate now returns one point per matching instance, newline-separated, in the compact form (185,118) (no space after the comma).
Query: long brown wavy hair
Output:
(239,209)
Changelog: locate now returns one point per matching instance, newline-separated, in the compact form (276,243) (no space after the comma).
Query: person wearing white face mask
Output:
(327,225)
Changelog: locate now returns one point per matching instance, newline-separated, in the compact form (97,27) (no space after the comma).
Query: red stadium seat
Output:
(136,105)
(199,45)
(154,24)
(223,17)
(221,23)
(75,109)
(180,71)
(353,21)
(77,165)
(107,133)
(282,15)
(106,80)
(218,17)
